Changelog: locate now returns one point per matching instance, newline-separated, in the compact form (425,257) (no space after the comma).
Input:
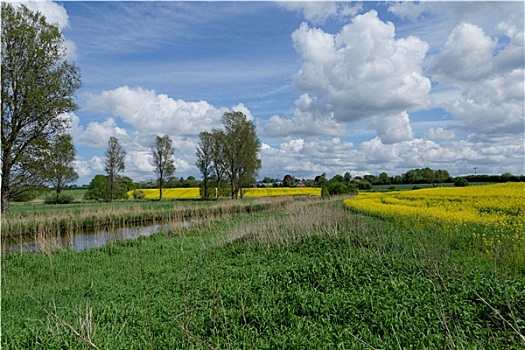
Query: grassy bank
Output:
(39,220)
(300,277)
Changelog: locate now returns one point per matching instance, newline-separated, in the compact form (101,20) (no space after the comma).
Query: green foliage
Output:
(98,189)
(324,192)
(114,164)
(62,199)
(241,148)
(59,163)
(364,185)
(26,196)
(163,160)
(460,182)
(138,194)
(38,85)
(205,161)
(207,190)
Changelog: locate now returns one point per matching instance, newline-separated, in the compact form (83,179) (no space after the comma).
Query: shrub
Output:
(460,182)
(53,199)
(138,194)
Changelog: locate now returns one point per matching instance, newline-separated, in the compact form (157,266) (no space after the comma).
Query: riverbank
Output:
(301,276)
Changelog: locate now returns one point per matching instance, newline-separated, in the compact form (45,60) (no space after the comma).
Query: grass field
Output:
(311,275)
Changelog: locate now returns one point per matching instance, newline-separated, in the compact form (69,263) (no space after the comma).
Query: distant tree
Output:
(59,163)
(115,156)
(163,160)
(460,182)
(205,161)
(384,179)
(38,85)
(337,178)
(126,184)
(219,158)
(287,181)
(241,151)
(347,178)
(320,180)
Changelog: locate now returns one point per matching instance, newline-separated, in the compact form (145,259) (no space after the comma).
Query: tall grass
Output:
(45,220)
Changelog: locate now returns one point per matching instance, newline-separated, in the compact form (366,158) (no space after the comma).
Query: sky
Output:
(332,87)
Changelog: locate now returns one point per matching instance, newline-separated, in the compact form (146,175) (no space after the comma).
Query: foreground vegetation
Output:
(311,275)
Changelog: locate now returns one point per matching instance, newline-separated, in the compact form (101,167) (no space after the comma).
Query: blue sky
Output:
(363,87)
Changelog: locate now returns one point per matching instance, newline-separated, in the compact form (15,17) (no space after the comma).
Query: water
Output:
(86,240)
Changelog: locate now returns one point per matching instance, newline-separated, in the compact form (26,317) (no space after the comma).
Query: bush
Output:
(460,182)
(53,199)
(26,196)
(392,188)
(416,187)
(364,185)
(138,194)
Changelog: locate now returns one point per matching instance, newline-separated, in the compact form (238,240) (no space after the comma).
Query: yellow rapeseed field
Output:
(180,193)
(193,192)
(490,212)
(282,191)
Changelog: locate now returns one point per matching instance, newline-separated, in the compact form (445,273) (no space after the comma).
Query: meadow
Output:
(313,274)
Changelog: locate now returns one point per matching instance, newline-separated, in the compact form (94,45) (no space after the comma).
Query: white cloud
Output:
(393,128)
(145,110)
(362,71)
(95,134)
(318,12)
(466,56)
(440,134)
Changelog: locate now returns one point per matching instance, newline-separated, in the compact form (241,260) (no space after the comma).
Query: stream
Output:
(85,240)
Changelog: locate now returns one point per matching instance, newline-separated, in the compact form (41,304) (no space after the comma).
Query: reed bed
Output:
(47,229)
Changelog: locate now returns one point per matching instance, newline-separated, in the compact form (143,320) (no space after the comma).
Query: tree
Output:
(59,164)
(241,149)
(205,160)
(218,158)
(38,86)
(384,179)
(115,156)
(163,160)
(98,188)
(288,181)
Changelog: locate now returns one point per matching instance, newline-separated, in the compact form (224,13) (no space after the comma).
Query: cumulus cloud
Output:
(158,113)
(466,56)
(362,71)
(440,134)
(318,12)
(95,134)
(394,128)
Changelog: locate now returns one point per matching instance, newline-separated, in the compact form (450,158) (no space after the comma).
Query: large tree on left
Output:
(38,85)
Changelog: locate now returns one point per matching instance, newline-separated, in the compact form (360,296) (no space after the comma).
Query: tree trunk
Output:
(5,190)
(5,199)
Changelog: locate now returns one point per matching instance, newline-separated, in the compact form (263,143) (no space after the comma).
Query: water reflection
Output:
(86,240)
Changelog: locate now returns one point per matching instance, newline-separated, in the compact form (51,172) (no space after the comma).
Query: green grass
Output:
(307,277)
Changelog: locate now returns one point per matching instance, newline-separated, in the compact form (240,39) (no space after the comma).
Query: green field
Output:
(309,276)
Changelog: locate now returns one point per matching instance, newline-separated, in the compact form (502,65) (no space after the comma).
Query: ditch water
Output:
(87,239)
